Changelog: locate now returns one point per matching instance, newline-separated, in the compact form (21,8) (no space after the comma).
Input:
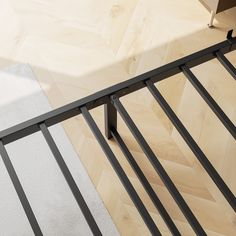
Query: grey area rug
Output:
(56,210)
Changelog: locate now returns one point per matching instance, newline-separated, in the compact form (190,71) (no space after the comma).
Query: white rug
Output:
(56,210)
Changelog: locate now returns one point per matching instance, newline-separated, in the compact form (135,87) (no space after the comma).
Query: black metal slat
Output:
(70,180)
(120,172)
(159,168)
(210,101)
(193,145)
(110,119)
(20,192)
(226,63)
(147,186)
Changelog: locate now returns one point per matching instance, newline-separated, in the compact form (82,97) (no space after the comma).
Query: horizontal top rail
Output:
(99,98)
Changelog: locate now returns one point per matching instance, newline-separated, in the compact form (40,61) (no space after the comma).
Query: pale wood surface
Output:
(78,47)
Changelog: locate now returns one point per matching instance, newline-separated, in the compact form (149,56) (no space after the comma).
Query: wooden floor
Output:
(77,47)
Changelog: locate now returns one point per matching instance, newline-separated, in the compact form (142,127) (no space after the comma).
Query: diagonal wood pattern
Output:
(78,47)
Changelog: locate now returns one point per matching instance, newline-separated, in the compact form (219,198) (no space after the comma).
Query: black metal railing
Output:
(110,99)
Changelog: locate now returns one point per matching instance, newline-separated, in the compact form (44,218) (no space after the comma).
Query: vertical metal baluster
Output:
(226,63)
(70,180)
(193,146)
(210,101)
(20,191)
(147,186)
(120,172)
(159,168)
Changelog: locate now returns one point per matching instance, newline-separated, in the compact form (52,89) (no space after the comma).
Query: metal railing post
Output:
(110,114)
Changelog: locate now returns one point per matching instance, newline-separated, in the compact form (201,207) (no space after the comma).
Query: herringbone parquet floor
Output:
(78,47)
